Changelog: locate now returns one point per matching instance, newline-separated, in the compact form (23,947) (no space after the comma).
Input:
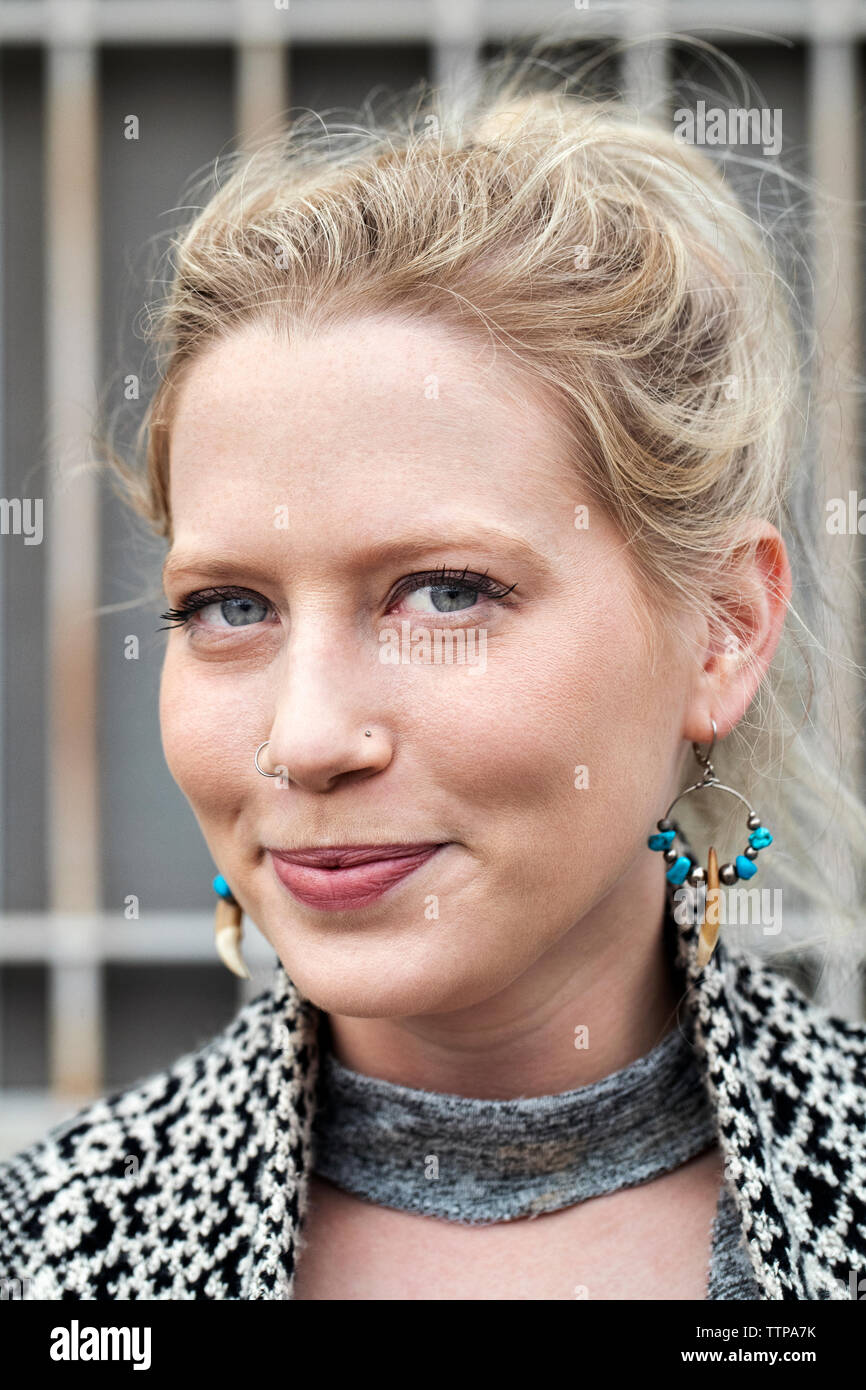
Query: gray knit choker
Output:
(479,1161)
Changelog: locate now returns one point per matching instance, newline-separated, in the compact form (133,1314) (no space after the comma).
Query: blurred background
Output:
(107,109)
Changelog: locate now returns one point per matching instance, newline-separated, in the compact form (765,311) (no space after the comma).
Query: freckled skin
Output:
(549,903)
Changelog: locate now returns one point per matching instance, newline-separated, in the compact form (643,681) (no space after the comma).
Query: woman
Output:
(470,447)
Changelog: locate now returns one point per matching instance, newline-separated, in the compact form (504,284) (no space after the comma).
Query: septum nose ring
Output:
(368,733)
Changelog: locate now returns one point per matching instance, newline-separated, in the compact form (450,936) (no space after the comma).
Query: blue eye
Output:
(236,607)
(447,598)
(238,612)
(449,588)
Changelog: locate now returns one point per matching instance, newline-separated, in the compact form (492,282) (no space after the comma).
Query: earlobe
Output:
(735,665)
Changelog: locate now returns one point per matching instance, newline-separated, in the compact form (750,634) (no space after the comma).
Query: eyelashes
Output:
(441,578)
(457,579)
(176,617)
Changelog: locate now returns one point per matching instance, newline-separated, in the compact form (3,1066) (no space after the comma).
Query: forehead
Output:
(378,418)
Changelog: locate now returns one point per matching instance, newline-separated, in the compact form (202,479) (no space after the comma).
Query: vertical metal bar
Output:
(72,536)
(3,902)
(456,44)
(833,102)
(261,94)
(260,90)
(646,77)
(261,101)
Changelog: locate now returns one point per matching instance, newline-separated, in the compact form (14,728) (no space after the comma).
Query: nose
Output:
(325,700)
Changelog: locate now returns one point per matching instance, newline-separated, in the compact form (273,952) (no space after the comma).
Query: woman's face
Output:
(326,481)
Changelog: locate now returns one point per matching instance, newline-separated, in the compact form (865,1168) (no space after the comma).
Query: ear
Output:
(752,615)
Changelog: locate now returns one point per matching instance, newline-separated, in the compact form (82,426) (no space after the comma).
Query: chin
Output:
(364,989)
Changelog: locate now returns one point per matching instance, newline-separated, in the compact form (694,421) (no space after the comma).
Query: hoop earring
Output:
(228,929)
(683,867)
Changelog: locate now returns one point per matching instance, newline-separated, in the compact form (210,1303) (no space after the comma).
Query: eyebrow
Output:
(378,553)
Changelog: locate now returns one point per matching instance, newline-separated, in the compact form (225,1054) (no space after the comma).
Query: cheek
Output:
(204,737)
(505,744)
(569,752)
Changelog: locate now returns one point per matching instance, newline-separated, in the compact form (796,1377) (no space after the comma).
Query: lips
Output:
(348,876)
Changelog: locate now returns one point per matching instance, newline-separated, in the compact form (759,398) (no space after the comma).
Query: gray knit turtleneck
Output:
(481,1161)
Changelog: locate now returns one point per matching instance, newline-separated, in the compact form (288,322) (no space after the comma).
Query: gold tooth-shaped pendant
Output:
(709,934)
(228,932)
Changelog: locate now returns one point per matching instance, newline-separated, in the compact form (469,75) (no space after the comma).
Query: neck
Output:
(603,996)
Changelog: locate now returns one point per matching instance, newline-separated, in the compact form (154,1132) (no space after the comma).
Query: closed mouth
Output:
(360,875)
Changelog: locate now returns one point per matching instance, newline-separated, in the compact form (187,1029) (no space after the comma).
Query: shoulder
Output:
(788,1078)
(106,1190)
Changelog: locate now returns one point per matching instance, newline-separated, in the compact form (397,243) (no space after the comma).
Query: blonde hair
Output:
(617,265)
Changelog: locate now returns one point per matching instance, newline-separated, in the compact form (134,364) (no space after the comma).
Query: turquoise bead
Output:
(760,838)
(663,839)
(221,887)
(678,870)
(746,868)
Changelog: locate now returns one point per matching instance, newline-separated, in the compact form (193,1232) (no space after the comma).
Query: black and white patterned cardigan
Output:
(192,1184)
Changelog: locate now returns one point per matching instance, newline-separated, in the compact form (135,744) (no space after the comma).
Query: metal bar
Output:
(261,105)
(74,937)
(72,539)
(2,565)
(456,42)
(410,21)
(833,103)
(646,76)
(175,937)
(261,84)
